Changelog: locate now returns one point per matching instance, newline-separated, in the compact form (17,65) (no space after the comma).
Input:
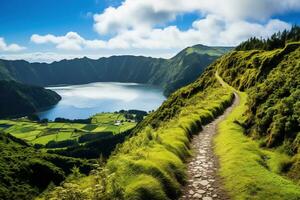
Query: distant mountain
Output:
(170,74)
(212,51)
(17,99)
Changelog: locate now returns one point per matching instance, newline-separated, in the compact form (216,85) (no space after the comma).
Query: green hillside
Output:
(272,82)
(167,73)
(18,99)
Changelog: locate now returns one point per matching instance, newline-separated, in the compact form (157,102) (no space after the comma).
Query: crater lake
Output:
(83,101)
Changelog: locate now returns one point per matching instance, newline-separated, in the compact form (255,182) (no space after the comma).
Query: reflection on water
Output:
(82,101)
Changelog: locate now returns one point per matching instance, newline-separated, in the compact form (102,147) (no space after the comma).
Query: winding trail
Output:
(203,180)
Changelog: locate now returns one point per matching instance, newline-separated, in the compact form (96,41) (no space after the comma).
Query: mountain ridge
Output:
(170,74)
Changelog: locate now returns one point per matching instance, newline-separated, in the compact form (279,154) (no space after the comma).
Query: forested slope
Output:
(25,172)
(17,99)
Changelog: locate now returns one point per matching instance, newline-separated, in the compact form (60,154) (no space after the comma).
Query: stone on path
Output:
(204,182)
(197,196)
(201,191)
(206,198)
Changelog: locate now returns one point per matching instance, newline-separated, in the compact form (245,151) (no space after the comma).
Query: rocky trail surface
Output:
(203,180)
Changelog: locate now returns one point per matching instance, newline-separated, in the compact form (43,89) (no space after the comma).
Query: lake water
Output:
(83,101)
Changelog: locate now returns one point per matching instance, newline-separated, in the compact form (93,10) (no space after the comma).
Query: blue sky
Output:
(47,30)
(20,19)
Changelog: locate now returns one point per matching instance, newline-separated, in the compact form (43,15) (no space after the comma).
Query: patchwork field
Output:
(42,133)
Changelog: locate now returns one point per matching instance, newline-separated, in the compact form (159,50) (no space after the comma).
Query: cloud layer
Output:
(144,26)
(136,14)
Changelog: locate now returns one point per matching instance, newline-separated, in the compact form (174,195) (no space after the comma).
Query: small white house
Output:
(117,123)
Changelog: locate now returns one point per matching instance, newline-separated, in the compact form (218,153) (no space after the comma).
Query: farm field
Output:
(42,133)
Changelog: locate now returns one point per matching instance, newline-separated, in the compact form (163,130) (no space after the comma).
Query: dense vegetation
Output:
(272,80)
(28,171)
(25,172)
(95,145)
(167,73)
(277,40)
(18,99)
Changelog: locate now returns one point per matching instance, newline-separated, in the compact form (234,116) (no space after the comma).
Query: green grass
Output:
(45,139)
(249,171)
(107,118)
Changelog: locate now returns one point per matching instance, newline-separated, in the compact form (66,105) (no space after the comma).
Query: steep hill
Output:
(272,81)
(17,99)
(171,74)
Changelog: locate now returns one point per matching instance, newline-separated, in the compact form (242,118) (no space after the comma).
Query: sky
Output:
(50,30)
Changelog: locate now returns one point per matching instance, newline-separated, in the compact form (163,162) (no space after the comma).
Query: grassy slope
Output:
(272,82)
(150,165)
(250,172)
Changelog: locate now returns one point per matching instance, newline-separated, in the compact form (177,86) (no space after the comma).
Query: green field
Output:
(42,133)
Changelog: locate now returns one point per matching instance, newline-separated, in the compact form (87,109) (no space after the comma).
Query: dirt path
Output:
(203,180)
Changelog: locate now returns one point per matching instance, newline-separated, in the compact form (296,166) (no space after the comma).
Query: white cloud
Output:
(9,47)
(70,41)
(211,30)
(134,23)
(49,57)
